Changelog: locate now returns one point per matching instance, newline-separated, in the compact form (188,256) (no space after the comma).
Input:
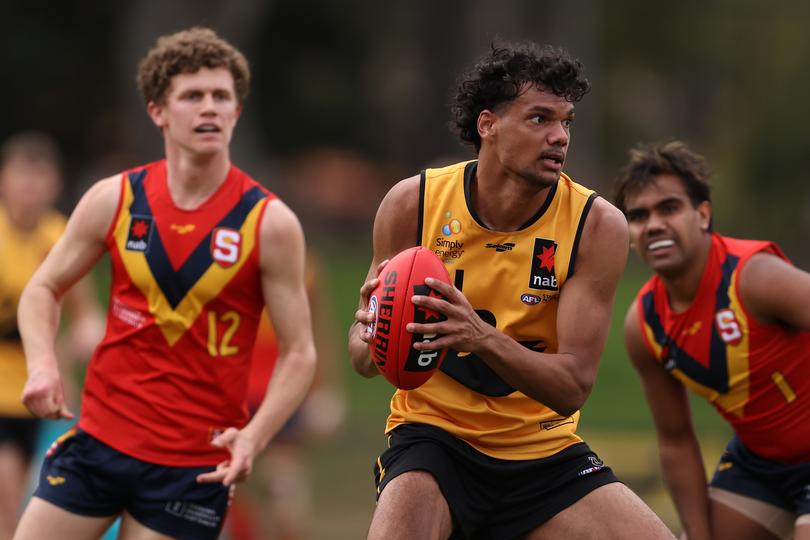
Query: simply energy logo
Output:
(447,248)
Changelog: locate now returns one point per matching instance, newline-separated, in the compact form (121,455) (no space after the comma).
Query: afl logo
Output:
(530,299)
(372,308)
(225,246)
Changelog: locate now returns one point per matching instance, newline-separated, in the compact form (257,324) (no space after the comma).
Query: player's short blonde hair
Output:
(188,51)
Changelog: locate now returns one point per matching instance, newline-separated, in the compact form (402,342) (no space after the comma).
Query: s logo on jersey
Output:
(542,274)
(226,246)
(140,231)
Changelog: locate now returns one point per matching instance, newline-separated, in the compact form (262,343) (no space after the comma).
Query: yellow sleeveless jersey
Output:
(21,253)
(513,281)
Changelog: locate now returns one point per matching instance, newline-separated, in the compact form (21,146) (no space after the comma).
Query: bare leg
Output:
(608,512)
(411,506)
(13,475)
(737,517)
(802,528)
(42,519)
(132,529)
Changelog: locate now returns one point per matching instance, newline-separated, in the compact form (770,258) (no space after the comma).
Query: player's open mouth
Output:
(553,160)
(207,128)
(660,244)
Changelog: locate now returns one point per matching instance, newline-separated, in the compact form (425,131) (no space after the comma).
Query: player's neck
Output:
(502,201)
(192,179)
(682,287)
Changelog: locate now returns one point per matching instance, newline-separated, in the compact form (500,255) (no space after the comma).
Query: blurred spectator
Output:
(30,182)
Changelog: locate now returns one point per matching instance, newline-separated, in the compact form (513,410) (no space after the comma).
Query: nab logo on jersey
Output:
(542,274)
(226,245)
(140,231)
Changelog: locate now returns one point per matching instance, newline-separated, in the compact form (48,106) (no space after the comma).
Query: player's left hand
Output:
(243,450)
(463,330)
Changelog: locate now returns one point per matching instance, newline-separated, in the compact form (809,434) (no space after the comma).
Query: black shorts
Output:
(21,433)
(786,485)
(492,498)
(85,476)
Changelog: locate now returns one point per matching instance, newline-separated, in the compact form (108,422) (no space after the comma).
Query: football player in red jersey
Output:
(728,319)
(198,249)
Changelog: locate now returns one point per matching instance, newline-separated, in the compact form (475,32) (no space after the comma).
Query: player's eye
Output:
(636,216)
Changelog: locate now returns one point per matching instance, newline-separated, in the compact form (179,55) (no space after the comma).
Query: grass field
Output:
(615,421)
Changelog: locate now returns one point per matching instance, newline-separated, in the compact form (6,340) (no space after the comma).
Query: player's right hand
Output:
(362,315)
(44,397)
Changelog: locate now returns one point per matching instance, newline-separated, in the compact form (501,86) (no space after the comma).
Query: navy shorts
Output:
(85,476)
(492,498)
(786,485)
(20,433)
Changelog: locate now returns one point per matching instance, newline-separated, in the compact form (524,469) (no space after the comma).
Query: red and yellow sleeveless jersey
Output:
(513,280)
(21,252)
(757,376)
(185,302)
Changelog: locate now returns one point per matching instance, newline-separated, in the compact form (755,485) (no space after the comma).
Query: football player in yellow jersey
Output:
(475,452)
(30,181)
(728,319)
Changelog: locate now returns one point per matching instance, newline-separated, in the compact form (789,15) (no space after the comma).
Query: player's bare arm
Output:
(38,315)
(785,304)
(561,381)
(282,253)
(395,229)
(679,449)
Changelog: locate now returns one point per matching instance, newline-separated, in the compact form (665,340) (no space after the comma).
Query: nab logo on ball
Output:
(542,274)
(424,360)
(225,246)
(391,344)
(140,231)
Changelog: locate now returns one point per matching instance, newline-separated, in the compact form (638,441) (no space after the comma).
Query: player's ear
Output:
(155,112)
(487,123)
(705,211)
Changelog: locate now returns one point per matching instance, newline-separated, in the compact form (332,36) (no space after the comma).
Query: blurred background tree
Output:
(349,96)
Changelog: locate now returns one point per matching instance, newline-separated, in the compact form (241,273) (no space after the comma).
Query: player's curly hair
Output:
(506,72)
(670,157)
(188,51)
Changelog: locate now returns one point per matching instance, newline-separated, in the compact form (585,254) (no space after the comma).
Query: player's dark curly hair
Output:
(506,72)
(671,157)
(188,51)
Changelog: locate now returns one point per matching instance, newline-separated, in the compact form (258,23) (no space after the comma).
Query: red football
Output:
(391,345)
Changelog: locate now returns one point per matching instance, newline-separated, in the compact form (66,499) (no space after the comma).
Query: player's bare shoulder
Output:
(97,208)
(396,223)
(605,237)
(280,230)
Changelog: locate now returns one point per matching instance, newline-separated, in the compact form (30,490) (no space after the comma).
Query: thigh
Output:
(612,511)
(41,519)
(170,501)
(738,517)
(451,466)
(132,529)
(802,531)
(411,506)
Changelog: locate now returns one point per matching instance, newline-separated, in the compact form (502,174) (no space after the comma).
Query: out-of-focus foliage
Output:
(728,76)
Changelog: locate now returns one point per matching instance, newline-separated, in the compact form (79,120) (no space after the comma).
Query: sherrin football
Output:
(390,302)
